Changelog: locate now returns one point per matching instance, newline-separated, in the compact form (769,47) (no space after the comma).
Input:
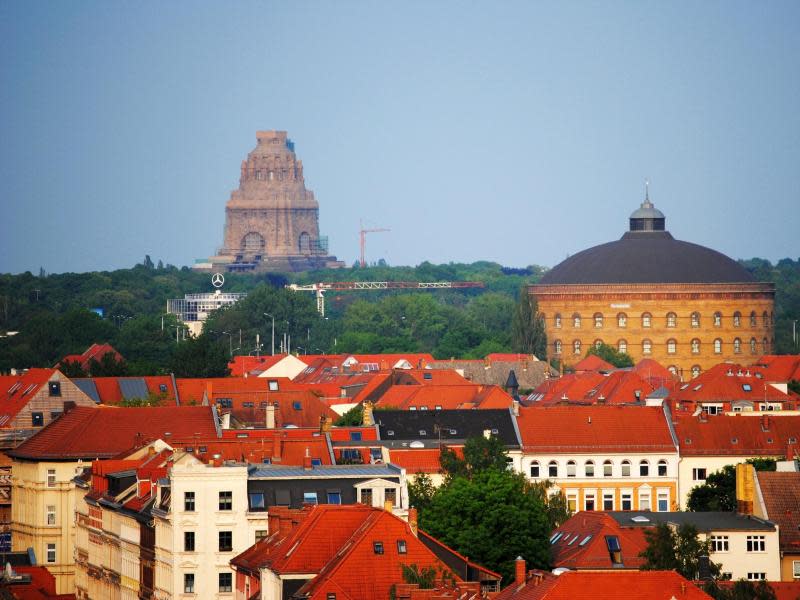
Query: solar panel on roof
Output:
(88,387)
(133,388)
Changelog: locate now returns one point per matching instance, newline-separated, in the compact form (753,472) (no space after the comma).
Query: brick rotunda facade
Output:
(272,220)
(652,296)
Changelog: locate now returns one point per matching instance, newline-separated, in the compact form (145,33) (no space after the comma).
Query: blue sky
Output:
(517,132)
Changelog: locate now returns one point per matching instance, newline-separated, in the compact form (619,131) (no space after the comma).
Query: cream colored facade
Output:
(618,482)
(44,498)
(691,469)
(289,366)
(740,562)
(204,518)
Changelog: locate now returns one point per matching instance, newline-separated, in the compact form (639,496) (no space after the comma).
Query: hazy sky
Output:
(512,132)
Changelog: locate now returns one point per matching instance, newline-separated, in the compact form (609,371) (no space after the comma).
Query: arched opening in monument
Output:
(253,242)
(305,243)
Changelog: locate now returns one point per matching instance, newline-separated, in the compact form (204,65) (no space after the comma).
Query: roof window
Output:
(162,387)
(734,440)
(555,537)
(377,547)
(746,387)
(697,387)
(273,385)
(423,432)
(316,462)
(390,432)
(585,540)
(427,375)
(640,519)
(297,405)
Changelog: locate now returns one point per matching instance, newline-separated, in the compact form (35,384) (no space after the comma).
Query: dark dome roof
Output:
(647,257)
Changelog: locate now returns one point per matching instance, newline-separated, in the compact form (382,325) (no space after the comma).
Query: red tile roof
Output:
(593,363)
(655,373)
(102,432)
(606,585)
(277,445)
(17,390)
(729,383)
(434,397)
(42,585)
(590,387)
(509,357)
(582,544)
(736,435)
(781,494)
(241,365)
(388,361)
(95,351)
(595,429)
(342,434)
(110,393)
(780,369)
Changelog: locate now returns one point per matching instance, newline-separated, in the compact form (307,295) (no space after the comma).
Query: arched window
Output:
(557,346)
(598,320)
(646,318)
(695,371)
(753,346)
(737,346)
(622,320)
(576,321)
(644,469)
(570,468)
(765,346)
(597,343)
(622,346)
(576,347)
(535,470)
(673,369)
(718,319)
(717,346)
(588,468)
(662,468)
(552,469)
(765,319)
(607,468)
(672,319)
(626,468)
(695,346)
(672,346)
(737,319)
(557,320)
(753,318)
(647,347)
(253,242)
(304,243)
(695,320)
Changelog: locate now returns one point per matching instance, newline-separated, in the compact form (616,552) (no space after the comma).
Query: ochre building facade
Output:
(272,220)
(652,296)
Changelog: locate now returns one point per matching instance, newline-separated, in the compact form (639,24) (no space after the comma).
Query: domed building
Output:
(652,296)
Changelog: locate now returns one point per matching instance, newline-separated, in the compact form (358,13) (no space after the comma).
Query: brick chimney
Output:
(276,448)
(745,488)
(519,571)
(412,520)
(325,424)
(307,461)
(270,416)
(368,419)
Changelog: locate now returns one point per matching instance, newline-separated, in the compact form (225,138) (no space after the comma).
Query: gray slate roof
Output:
(703,521)
(280,472)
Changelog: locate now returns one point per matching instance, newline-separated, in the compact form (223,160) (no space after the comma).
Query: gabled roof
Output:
(402,426)
(729,383)
(594,429)
(591,387)
(781,368)
(112,391)
(781,494)
(85,433)
(388,361)
(737,435)
(703,521)
(17,390)
(605,585)
(242,365)
(257,446)
(95,351)
(582,543)
(592,362)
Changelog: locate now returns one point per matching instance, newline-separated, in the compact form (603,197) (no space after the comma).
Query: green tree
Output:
(481,453)
(421,491)
(200,357)
(718,493)
(492,518)
(527,326)
(680,551)
(107,366)
(556,505)
(353,417)
(611,355)
(740,590)
(72,369)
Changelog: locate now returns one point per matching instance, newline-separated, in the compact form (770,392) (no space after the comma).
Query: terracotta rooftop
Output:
(781,494)
(737,435)
(17,390)
(85,432)
(593,363)
(582,543)
(730,383)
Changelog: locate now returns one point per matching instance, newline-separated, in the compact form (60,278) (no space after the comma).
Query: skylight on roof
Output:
(640,519)
(697,387)
(585,540)
(572,541)
(612,542)
(684,386)
(555,537)
(746,387)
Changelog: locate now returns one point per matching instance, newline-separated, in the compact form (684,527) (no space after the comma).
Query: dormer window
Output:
(272,385)
(54,388)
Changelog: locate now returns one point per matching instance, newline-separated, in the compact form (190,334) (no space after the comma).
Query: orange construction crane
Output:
(363,239)
(319,289)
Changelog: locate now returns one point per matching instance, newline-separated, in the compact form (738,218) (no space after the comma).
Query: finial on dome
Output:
(647,217)
(647,191)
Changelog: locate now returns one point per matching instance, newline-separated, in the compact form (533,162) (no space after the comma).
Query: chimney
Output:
(276,448)
(745,488)
(412,520)
(519,571)
(368,419)
(270,424)
(307,461)
(703,568)
(325,424)
(388,505)
(764,422)
(515,407)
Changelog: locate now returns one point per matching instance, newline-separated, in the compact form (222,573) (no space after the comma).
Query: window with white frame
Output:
(695,320)
(753,346)
(644,500)
(695,346)
(699,474)
(626,501)
(51,514)
(717,319)
(662,468)
(737,319)
(644,468)
(535,470)
(576,347)
(557,346)
(598,320)
(571,468)
(608,500)
(557,320)
(626,468)
(588,468)
(646,319)
(672,319)
(51,553)
(552,469)
(796,569)
(672,346)
(647,347)
(607,468)
(622,320)
(756,576)
(663,501)
(51,478)
(737,346)
(576,321)
(719,543)
(756,543)
(695,371)
(588,501)
(622,346)
(717,346)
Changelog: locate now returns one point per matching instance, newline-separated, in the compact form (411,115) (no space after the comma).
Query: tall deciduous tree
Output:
(611,355)
(718,493)
(527,326)
(680,551)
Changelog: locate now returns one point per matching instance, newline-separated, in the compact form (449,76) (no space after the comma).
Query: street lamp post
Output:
(230,343)
(273,331)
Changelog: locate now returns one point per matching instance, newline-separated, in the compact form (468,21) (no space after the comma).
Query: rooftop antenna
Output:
(647,191)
